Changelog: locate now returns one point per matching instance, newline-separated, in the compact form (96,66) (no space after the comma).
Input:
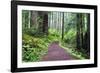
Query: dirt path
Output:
(55,52)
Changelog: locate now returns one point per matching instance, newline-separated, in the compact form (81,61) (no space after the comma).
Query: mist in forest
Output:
(45,33)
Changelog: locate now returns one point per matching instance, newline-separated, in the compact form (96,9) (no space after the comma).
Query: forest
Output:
(66,32)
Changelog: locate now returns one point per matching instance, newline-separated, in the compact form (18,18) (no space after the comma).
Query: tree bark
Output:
(34,19)
(63,26)
(29,17)
(45,22)
(78,32)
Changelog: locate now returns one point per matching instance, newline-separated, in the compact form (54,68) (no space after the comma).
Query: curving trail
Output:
(55,52)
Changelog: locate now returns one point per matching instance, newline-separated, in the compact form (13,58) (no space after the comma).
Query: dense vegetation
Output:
(40,28)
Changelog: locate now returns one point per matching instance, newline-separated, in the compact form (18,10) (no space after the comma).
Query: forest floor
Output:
(55,52)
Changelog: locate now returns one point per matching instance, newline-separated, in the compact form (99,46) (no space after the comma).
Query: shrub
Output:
(33,48)
(70,37)
(53,35)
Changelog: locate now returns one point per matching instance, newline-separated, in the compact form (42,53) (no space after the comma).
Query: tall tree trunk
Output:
(29,17)
(63,26)
(45,22)
(78,32)
(48,19)
(40,21)
(23,19)
(58,22)
(88,35)
(61,22)
(34,19)
(81,28)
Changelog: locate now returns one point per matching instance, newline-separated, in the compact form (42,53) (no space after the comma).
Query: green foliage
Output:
(36,39)
(36,45)
(25,14)
(70,38)
(74,52)
(40,19)
(31,54)
(33,32)
(53,35)
(69,44)
(33,48)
